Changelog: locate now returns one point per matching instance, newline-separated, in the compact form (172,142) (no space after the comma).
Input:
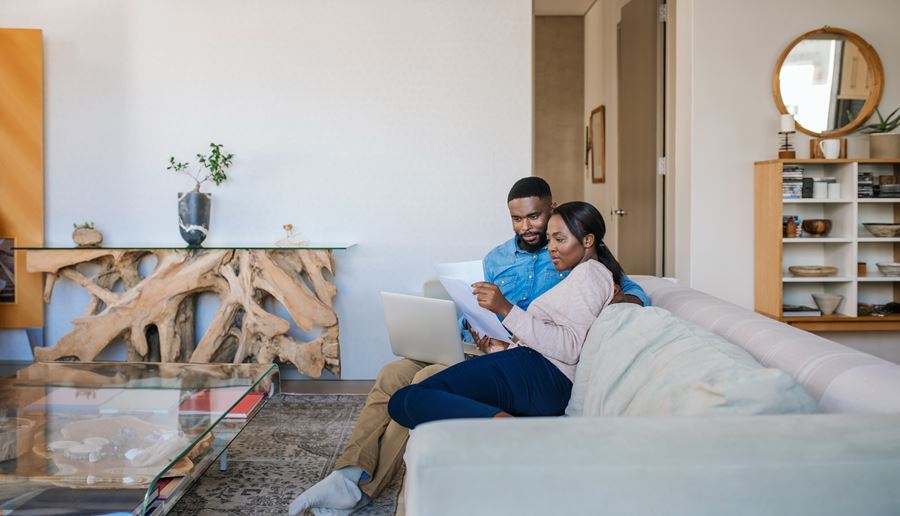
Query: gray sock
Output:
(339,490)
(319,511)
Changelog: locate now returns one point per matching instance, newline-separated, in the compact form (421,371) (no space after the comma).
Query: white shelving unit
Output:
(847,244)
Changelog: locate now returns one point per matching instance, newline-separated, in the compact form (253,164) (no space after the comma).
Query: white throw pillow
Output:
(646,362)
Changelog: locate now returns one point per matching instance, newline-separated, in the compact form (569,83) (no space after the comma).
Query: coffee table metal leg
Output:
(223,460)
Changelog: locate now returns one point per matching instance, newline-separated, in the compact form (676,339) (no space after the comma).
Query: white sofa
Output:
(843,461)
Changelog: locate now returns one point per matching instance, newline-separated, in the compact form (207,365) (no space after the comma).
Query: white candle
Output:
(787,123)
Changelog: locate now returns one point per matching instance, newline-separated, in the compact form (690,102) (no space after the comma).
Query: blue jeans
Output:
(519,381)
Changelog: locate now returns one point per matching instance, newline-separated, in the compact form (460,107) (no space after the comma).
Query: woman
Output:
(533,376)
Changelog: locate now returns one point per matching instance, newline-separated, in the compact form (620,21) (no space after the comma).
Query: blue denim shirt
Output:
(523,276)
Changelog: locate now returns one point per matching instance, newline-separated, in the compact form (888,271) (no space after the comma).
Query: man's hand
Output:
(620,297)
(490,297)
(633,299)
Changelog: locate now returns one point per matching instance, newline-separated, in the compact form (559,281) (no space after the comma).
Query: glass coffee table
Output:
(126,437)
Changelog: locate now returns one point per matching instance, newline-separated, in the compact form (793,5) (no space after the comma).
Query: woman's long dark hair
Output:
(583,219)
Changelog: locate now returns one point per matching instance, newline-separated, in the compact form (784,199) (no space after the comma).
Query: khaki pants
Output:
(377,443)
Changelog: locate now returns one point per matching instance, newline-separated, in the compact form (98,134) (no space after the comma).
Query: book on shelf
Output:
(166,486)
(247,406)
(800,311)
(865,185)
(216,402)
(792,182)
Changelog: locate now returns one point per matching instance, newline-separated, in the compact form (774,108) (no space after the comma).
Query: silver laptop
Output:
(424,329)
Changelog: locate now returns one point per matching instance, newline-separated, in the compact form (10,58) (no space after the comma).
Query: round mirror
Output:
(831,81)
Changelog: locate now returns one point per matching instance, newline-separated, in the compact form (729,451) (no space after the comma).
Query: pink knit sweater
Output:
(558,321)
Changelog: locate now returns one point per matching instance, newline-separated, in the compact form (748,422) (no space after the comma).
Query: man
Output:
(522,269)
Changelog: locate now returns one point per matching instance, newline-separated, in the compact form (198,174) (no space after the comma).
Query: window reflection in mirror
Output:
(824,82)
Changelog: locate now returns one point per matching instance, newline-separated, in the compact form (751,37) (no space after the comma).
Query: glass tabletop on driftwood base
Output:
(106,437)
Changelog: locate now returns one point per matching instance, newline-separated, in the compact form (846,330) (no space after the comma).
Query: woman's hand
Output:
(488,345)
(490,297)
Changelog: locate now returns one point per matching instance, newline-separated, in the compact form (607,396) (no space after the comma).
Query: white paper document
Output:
(457,278)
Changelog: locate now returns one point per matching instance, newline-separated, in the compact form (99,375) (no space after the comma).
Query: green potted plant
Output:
(883,143)
(194,206)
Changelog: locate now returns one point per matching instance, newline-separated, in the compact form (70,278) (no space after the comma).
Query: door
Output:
(638,209)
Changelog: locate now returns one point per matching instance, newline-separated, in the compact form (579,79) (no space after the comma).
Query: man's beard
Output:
(537,246)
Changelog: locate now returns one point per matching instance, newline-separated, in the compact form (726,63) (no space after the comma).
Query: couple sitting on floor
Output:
(547,285)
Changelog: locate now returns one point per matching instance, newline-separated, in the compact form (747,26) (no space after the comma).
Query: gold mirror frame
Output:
(872,60)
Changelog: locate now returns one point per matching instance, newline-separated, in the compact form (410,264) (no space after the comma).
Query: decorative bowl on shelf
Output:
(827,303)
(817,227)
(889,269)
(883,229)
(812,271)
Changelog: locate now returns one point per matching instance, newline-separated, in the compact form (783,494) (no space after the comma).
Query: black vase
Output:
(193,216)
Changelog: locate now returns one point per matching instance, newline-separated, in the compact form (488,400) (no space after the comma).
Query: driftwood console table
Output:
(158,309)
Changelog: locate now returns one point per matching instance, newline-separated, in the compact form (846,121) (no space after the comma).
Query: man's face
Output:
(529,219)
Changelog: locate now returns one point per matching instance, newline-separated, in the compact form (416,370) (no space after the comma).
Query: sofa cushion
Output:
(647,362)
(839,378)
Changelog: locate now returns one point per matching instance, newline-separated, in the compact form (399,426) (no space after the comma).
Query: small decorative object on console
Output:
(85,235)
(289,238)
(194,206)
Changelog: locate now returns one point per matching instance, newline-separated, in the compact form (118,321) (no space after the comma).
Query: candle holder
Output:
(786,145)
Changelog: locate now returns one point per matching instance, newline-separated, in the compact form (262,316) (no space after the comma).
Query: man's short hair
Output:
(529,187)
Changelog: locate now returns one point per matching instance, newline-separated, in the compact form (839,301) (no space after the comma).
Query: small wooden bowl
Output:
(817,227)
(812,271)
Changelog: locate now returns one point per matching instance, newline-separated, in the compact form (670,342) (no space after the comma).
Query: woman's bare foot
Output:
(502,414)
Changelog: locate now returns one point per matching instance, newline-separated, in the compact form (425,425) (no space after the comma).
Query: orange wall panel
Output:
(22,166)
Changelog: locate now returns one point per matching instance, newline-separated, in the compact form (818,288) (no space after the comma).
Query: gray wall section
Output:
(559,104)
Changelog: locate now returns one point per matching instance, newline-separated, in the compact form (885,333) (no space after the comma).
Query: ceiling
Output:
(561,7)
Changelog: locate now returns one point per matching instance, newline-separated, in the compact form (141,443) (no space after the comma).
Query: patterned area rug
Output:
(292,443)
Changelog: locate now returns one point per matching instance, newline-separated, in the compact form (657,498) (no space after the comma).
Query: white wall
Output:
(398,125)
(727,118)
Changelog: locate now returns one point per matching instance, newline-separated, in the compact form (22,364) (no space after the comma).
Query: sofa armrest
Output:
(811,464)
